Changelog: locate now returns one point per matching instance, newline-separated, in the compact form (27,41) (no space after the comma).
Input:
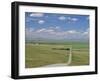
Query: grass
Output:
(44,54)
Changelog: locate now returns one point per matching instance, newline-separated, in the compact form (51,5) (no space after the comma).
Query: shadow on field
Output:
(61,48)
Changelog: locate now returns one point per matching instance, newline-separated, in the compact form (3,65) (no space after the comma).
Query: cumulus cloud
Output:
(73,32)
(36,14)
(41,21)
(85,33)
(55,34)
(57,27)
(40,30)
(69,19)
(43,30)
(72,19)
(62,18)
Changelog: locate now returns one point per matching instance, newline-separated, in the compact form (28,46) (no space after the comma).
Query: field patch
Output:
(39,55)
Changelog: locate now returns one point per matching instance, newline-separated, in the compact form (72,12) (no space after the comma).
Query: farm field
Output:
(39,55)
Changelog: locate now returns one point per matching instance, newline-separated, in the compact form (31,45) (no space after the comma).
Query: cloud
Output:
(54,28)
(51,33)
(43,30)
(72,31)
(41,21)
(86,33)
(36,15)
(62,18)
(28,19)
(72,19)
(57,27)
(28,33)
(40,30)
(29,29)
(56,32)
(68,19)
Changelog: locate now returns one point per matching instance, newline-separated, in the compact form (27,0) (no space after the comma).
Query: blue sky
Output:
(56,26)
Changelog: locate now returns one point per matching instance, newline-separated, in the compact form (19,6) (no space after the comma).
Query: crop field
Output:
(39,55)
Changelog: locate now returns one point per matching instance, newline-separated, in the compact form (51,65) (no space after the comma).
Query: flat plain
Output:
(44,54)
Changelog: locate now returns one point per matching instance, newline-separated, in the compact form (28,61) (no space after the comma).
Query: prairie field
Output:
(43,54)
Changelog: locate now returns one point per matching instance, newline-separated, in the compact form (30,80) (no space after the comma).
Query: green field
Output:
(37,55)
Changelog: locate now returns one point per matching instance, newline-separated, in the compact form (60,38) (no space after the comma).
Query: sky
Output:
(56,26)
